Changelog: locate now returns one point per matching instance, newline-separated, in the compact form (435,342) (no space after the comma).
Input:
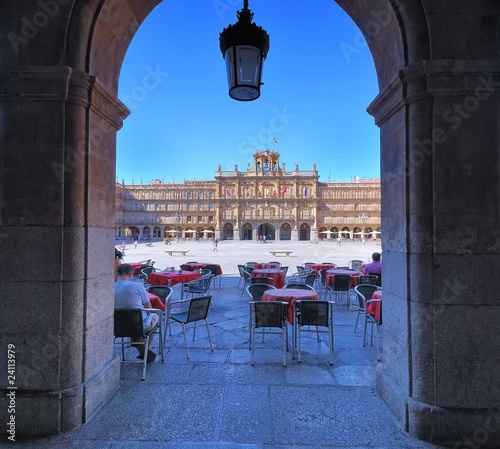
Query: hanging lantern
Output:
(244,47)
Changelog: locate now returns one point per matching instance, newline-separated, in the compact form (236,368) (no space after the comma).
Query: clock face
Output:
(244,93)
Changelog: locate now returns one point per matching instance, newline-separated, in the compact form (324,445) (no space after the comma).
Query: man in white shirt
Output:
(129,295)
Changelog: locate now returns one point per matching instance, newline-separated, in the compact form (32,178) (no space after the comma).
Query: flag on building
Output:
(274,140)
(283,190)
(228,193)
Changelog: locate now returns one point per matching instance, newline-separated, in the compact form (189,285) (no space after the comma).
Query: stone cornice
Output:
(106,106)
(62,84)
(433,78)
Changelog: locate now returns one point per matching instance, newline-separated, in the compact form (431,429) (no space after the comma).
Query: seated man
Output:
(375,267)
(129,295)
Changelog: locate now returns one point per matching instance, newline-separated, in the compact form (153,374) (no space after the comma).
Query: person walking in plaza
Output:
(129,294)
(215,242)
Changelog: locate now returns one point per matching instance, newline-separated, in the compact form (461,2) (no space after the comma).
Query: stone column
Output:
(441,236)
(57,145)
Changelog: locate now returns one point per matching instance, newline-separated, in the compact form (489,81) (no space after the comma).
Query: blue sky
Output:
(318,79)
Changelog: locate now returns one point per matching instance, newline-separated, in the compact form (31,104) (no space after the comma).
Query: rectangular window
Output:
(189,219)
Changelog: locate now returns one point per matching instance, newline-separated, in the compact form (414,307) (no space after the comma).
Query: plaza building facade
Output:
(264,201)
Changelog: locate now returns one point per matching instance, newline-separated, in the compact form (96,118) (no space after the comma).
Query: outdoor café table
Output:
(267,265)
(317,267)
(289,295)
(156,302)
(193,266)
(277,275)
(330,274)
(137,267)
(175,277)
(374,307)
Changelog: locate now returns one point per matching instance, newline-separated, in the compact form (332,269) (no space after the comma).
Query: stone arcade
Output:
(438,110)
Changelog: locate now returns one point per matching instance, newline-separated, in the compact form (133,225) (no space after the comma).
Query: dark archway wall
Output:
(438,110)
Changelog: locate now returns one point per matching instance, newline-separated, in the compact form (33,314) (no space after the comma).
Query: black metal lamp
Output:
(244,47)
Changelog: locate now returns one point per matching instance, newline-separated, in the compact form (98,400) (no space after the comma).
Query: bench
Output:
(177,251)
(281,252)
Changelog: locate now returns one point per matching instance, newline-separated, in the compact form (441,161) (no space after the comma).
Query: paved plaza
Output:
(218,400)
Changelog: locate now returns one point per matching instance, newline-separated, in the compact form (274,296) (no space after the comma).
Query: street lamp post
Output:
(363,218)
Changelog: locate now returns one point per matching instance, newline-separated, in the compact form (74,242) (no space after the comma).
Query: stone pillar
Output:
(441,235)
(57,146)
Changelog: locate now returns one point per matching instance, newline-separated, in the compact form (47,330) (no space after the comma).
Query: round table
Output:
(277,275)
(330,274)
(374,307)
(137,267)
(156,302)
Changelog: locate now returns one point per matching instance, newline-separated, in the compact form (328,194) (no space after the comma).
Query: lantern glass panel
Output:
(248,63)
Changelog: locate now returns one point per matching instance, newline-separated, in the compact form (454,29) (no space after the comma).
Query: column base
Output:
(458,428)
(39,414)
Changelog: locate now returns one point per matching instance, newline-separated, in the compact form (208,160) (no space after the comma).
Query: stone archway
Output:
(438,113)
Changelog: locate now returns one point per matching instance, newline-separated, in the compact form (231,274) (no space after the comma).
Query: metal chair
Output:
(364,293)
(213,270)
(368,279)
(128,323)
(246,275)
(300,269)
(198,308)
(379,278)
(314,313)
(307,279)
(255,291)
(265,315)
(355,264)
(262,280)
(200,286)
(341,284)
(163,292)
